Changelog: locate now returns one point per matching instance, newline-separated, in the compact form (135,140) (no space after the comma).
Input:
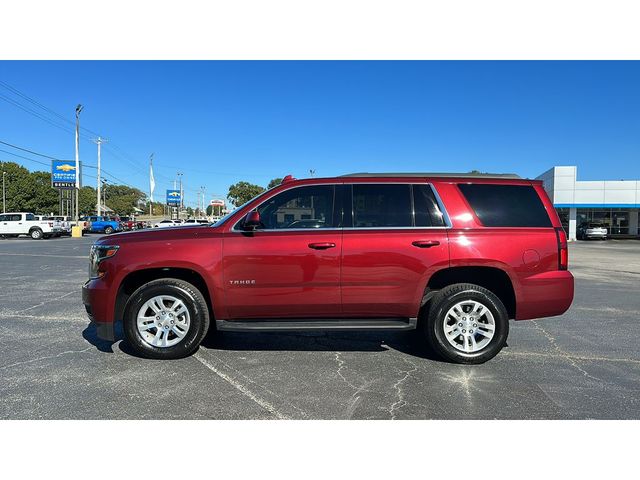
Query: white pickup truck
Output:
(14,224)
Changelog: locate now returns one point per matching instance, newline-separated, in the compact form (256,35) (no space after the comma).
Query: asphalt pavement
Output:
(584,364)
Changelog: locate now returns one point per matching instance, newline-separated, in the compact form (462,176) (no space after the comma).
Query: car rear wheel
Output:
(466,324)
(166,319)
(36,233)
(108,230)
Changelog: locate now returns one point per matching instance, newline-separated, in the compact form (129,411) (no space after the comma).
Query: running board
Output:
(326,324)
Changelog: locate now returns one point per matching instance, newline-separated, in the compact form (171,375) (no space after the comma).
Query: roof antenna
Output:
(313,173)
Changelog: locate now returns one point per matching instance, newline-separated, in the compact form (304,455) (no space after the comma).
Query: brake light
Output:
(563,249)
(51,224)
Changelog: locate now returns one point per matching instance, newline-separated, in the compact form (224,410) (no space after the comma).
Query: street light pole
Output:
(181,195)
(78,110)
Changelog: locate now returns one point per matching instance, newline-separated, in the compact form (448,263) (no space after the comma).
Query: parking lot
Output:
(584,364)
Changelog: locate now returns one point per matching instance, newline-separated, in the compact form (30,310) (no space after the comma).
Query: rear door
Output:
(396,240)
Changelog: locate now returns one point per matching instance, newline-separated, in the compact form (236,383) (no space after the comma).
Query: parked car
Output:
(130,223)
(57,224)
(592,230)
(166,223)
(453,256)
(196,221)
(107,225)
(21,223)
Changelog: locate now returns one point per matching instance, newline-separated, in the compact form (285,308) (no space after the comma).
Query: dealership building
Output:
(612,204)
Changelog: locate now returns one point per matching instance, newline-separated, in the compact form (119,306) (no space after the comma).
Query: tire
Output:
(463,296)
(108,231)
(197,315)
(36,234)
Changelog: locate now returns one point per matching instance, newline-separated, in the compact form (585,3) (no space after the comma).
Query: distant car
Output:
(21,223)
(195,221)
(56,223)
(106,225)
(592,230)
(130,223)
(166,223)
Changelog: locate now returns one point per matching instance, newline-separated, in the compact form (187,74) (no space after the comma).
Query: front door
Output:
(290,267)
(398,239)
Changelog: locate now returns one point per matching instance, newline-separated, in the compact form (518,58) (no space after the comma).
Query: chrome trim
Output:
(447,219)
(443,210)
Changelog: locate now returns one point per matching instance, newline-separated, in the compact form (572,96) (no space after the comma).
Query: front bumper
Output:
(91,297)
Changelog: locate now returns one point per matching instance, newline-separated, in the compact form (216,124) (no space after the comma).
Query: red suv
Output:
(454,256)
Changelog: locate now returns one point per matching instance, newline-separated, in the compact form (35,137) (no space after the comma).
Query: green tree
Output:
(242,192)
(209,210)
(190,211)
(122,199)
(87,201)
(274,183)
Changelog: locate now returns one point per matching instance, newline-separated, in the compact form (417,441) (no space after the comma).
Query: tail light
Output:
(563,249)
(51,224)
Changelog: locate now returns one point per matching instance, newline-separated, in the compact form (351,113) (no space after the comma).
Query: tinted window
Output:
(382,205)
(14,218)
(286,209)
(506,205)
(426,207)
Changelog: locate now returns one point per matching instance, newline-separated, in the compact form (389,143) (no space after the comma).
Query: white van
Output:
(14,224)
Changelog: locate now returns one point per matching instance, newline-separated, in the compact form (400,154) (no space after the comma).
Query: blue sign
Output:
(173,197)
(63,174)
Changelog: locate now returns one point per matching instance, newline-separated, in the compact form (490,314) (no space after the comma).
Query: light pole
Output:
(4,198)
(78,110)
(181,199)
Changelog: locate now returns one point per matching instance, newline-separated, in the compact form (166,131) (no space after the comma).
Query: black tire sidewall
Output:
(197,312)
(435,325)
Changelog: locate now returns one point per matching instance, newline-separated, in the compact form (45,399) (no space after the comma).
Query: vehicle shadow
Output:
(90,334)
(410,343)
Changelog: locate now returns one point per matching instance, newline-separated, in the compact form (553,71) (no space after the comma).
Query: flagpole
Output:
(151,185)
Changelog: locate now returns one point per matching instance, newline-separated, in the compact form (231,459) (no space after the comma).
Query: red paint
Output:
(344,272)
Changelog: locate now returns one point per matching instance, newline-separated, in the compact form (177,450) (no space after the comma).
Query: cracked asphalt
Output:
(584,364)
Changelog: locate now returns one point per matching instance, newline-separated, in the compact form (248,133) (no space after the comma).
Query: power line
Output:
(30,151)
(44,107)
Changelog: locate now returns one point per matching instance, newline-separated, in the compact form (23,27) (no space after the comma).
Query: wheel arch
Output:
(132,281)
(493,279)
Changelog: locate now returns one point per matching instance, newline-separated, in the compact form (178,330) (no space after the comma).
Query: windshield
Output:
(230,214)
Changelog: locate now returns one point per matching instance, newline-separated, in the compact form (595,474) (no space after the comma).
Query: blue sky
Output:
(221,122)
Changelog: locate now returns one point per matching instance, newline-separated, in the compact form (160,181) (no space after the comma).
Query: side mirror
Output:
(252,221)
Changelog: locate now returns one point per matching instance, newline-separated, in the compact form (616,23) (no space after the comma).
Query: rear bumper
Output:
(94,299)
(545,295)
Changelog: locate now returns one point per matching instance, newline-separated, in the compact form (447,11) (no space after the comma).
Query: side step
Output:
(326,324)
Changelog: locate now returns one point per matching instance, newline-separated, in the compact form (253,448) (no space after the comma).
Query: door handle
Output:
(425,243)
(322,245)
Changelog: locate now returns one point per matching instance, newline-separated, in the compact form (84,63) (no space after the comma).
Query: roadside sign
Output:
(173,197)
(63,174)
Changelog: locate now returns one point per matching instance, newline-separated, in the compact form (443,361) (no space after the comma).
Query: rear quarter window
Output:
(506,205)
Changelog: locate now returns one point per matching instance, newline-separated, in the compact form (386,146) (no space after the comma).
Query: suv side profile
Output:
(453,256)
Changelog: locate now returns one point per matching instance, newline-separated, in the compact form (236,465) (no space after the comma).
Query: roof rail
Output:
(431,174)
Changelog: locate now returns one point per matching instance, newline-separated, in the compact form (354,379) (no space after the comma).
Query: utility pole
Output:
(78,110)
(99,141)
(4,198)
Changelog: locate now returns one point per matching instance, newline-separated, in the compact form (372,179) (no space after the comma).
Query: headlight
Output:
(97,254)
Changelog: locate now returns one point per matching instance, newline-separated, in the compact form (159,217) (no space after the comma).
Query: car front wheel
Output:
(166,319)
(108,230)
(466,324)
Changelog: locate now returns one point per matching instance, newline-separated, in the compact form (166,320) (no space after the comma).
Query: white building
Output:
(613,204)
